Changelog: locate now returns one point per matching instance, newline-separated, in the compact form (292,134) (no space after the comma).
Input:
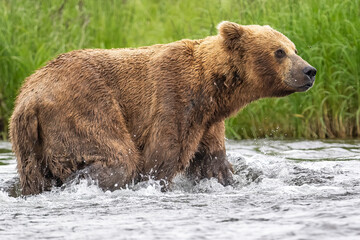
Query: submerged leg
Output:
(109,158)
(106,177)
(168,152)
(210,159)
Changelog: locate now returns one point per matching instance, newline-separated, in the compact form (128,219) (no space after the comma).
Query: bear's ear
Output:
(230,32)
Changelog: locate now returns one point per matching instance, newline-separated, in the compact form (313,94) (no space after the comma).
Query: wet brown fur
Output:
(123,115)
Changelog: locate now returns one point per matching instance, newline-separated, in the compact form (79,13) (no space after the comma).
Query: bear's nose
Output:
(310,71)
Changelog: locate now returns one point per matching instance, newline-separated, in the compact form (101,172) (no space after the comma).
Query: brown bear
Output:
(120,116)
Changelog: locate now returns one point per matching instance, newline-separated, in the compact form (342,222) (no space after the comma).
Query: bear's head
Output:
(268,59)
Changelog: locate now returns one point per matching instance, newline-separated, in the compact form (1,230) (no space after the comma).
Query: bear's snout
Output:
(302,74)
(310,73)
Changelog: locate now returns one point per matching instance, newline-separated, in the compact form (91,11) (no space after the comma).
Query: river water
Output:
(283,190)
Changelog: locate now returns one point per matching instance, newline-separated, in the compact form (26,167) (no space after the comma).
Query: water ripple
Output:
(282,190)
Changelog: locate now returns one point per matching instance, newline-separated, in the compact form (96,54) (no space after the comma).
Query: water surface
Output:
(283,190)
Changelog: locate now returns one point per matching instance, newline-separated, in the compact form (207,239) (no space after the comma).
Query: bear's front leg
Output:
(168,152)
(210,160)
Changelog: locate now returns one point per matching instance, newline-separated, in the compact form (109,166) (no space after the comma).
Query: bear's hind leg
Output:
(97,146)
(26,144)
(109,160)
(107,177)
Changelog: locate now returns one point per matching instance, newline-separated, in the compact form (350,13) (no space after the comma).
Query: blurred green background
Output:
(326,33)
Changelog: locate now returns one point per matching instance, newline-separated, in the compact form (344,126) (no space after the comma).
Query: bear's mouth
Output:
(305,87)
(301,85)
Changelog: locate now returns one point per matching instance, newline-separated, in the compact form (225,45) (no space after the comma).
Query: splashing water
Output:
(282,190)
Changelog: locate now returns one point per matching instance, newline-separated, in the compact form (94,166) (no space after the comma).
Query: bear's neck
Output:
(225,85)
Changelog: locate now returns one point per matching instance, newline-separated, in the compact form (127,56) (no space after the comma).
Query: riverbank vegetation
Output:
(326,33)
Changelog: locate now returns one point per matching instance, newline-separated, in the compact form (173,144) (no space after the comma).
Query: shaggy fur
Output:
(123,115)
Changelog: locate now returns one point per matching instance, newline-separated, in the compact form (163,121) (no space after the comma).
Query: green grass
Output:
(326,33)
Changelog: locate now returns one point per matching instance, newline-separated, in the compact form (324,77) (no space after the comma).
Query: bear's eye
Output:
(296,51)
(280,53)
